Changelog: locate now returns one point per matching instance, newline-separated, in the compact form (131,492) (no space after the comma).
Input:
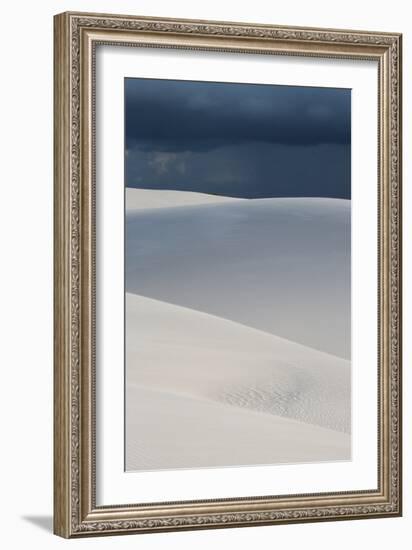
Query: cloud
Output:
(246,170)
(162,162)
(174,116)
(241,140)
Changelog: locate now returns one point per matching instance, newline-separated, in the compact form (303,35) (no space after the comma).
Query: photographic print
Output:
(237,274)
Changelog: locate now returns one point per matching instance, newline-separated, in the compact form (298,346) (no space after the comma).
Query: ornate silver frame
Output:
(75,38)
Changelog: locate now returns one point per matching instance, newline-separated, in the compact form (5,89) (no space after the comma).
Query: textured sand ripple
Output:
(168,430)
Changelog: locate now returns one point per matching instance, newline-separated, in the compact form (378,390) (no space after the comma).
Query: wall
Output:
(26,272)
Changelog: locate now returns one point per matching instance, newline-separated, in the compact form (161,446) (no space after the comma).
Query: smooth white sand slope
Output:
(166,430)
(146,199)
(279,265)
(190,372)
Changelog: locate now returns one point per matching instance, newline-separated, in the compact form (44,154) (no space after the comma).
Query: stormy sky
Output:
(239,140)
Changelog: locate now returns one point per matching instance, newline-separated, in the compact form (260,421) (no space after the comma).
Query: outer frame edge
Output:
(61,215)
(64,525)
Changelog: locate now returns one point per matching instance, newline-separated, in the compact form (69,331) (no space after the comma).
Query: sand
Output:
(147,199)
(201,379)
(237,331)
(278,265)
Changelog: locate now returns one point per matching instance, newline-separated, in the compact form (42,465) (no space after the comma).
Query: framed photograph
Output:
(227,274)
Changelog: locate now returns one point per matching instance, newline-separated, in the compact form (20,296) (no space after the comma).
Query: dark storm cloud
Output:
(240,140)
(247,170)
(169,115)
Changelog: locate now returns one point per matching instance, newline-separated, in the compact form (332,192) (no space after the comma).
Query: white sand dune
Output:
(166,430)
(227,393)
(237,331)
(146,199)
(279,265)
